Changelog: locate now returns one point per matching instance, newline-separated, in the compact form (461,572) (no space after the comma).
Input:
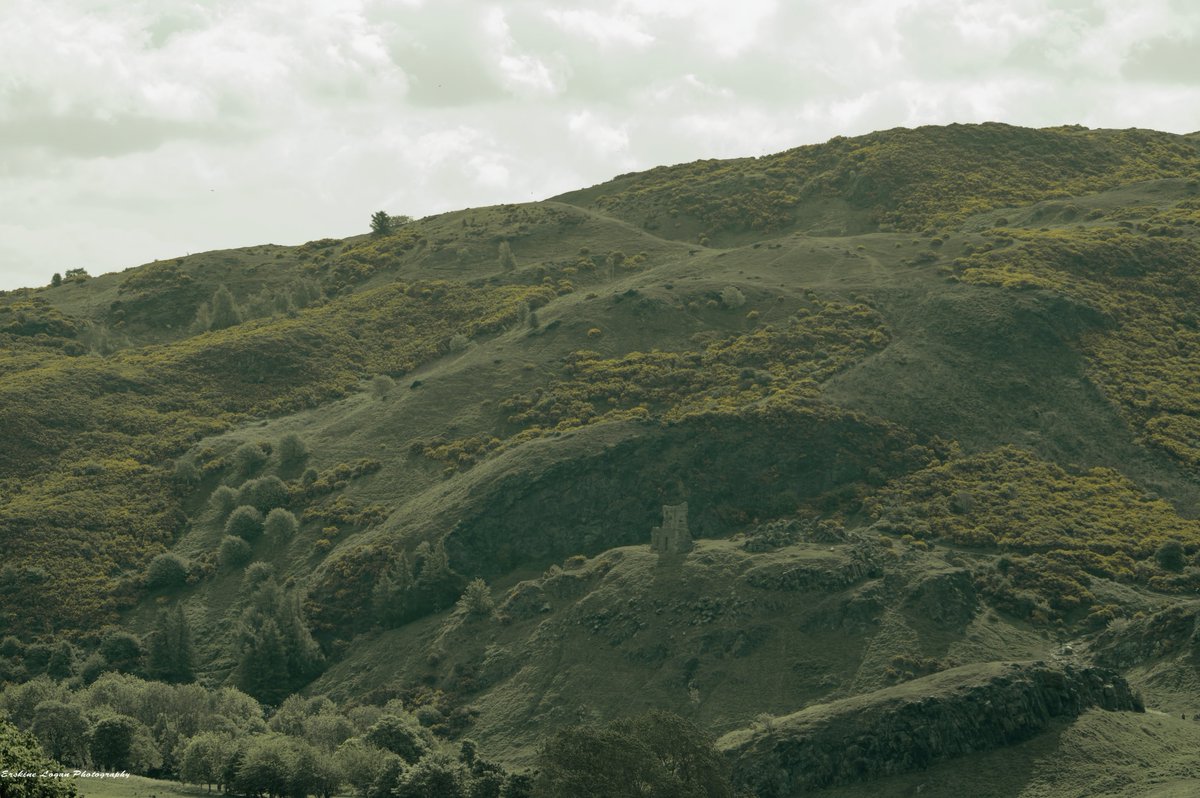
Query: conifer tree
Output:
(390,595)
(170,649)
(381,223)
(223,310)
(277,652)
(262,669)
(508,262)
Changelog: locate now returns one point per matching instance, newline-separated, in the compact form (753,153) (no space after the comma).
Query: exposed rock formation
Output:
(913,725)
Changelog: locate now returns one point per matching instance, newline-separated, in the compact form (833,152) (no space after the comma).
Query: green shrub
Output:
(292,449)
(476,600)
(245,522)
(505,257)
(381,223)
(657,753)
(382,385)
(166,571)
(258,573)
(1170,556)
(249,458)
(223,310)
(280,524)
(400,736)
(234,551)
(732,297)
(185,472)
(264,493)
(223,500)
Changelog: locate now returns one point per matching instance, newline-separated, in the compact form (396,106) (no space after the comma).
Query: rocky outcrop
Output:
(1127,643)
(916,724)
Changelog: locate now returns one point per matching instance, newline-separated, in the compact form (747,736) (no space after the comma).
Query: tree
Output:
(244,522)
(1170,556)
(399,735)
(362,763)
(264,493)
(276,651)
(328,730)
(166,571)
(613,262)
(62,661)
(56,280)
(223,500)
(313,772)
(381,223)
(223,310)
(234,551)
(122,650)
(476,600)
(185,473)
(390,595)
(657,754)
(258,573)
(120,742)
(248,458)
(382,385)
(170,650)
(262,669)
(203,759)
(508,261)
(62,730)
(292,449)
(266,767)
(435,776)
(281,524)
(20,752)
(732,297)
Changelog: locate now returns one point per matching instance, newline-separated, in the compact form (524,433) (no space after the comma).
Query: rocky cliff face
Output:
(916,724)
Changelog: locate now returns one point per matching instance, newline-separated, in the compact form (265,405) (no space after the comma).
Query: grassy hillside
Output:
(929,395)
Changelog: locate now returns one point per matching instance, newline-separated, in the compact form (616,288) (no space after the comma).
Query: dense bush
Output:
(477,600)
(658,753)
(223,500)
(280,524)
(264,493)
(292,449)
(399,736)
(166,571)
(784,364)
(245,522)
(20,752)
(1061,527)
(248,458)
(732,297)
(234,551)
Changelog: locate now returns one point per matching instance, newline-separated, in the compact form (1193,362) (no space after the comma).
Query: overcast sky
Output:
(132,130)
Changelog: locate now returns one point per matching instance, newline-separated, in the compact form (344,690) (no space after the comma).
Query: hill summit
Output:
(928,397)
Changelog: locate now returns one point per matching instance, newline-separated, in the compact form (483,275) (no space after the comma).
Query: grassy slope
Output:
(720,636)
(969,354)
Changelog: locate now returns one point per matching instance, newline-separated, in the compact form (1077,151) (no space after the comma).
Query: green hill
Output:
(929,394)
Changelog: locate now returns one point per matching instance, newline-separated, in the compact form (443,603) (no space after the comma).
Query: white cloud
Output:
(606,30)
(148,128)
(727,29)
(602,138)
(523,74)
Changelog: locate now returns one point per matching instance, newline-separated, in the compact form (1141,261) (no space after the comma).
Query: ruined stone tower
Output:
(673,536)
